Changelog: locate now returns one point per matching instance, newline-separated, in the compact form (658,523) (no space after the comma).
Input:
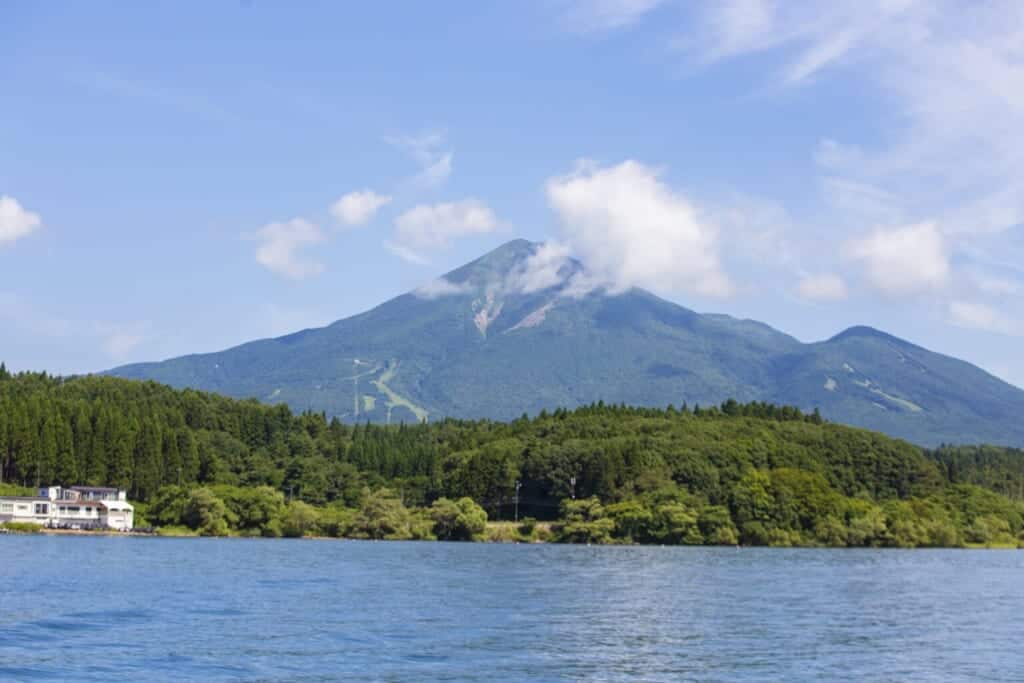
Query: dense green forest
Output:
(737,473)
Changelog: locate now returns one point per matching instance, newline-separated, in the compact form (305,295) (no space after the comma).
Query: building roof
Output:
(39,499)
(94,489)
(83,503)
(117,505)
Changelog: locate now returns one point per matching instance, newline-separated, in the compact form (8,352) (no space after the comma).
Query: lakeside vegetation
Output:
(754,474)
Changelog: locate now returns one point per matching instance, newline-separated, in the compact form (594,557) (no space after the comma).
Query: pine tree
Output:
(100,447)
(119,467)
(189,454)
(81,427)
(171,455)
(46,453)
(22,445)
(148,475)
(4,439)
(67,465)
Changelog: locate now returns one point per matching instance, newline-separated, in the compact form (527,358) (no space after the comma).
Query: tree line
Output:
(750,473)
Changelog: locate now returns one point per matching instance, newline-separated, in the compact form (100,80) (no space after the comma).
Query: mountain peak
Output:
(495,264)
(864,331)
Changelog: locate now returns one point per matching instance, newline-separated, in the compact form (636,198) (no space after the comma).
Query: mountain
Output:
(511,333)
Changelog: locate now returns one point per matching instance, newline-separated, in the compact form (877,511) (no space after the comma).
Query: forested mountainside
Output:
(751,473)
(441,351)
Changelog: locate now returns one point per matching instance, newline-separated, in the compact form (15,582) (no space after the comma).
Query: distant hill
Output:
(482,343)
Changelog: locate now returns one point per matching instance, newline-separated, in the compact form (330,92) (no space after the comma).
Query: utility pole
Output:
(519,485)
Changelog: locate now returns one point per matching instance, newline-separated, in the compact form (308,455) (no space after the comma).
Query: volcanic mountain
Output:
(497,338)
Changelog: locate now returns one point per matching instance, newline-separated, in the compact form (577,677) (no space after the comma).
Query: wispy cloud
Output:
(944,169)
(431,152)
(406,254)
(977,316)
(116,340)
(154,93)
(441,287)
(952,154)
(589,16)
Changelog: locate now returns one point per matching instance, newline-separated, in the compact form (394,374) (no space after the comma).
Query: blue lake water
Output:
(134,609)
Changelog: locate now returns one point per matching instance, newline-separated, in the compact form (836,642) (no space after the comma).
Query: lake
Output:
(157,609)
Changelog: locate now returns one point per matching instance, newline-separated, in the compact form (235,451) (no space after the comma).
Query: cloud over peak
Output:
(631,229)
(441,287)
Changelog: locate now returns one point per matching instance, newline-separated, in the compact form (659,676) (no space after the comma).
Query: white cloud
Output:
(950,75)
(815,37)
(15,221)
(430,226)
(544,268)
(631,229)
(906,260)
(356,208)
(429,150)
(406,254)
(605,15)
(440,287)
(280,251)
(982,317)
(825,287)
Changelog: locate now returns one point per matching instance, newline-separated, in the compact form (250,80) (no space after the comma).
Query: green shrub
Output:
(299,519)
(461,520)
(527,527)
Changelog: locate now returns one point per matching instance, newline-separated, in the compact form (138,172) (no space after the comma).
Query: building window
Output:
(23,508)
(74,509)
(42,509)
(6,507)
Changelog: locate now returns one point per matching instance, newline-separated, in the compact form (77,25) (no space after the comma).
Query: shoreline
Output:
(123,534)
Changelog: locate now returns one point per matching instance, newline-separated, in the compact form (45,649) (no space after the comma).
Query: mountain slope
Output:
(491,341)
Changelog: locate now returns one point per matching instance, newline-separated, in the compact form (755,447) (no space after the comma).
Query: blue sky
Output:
(181,177)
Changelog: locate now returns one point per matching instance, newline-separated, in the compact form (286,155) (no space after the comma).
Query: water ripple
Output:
(238,610)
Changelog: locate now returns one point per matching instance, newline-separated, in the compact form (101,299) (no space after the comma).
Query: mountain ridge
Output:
(535,328)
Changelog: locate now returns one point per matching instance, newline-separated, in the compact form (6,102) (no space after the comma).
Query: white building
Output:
(78,507)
